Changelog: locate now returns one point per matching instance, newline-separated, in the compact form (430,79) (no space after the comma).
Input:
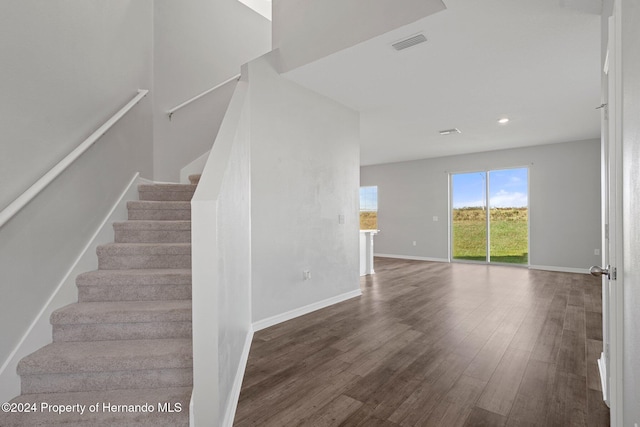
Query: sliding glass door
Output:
(469,218)
(489,216)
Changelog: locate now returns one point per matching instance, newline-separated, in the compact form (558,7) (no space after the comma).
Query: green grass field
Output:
(368,220)
(509,235)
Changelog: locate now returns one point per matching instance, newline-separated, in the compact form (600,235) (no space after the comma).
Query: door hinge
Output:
(606,231)
(613,273)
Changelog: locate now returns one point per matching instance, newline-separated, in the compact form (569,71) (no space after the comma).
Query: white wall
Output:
(564,202)
(630,14)
(234,292)
(304,174)
(197,45)
(66,68)
(307,30)
(263,7)
(221,248)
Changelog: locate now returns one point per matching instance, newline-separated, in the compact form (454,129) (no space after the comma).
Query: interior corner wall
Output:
(67,67)
(307,30)
(564,203)
(197,45)
(304,178)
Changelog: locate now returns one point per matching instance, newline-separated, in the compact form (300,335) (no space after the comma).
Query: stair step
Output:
(119,256)
(128,320)
(107,365)
(128,339)
(177,397)
(154,210)
(162,192)
(152,232)
(195,178)
(134,285)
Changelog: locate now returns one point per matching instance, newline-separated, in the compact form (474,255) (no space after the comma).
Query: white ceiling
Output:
(535,61)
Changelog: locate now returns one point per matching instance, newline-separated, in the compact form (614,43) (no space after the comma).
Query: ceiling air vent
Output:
(449,131)
(411,41)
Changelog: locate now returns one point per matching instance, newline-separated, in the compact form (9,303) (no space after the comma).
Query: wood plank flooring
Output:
(436,344)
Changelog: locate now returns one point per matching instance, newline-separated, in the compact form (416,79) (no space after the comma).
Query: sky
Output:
(507,188)
(369,198)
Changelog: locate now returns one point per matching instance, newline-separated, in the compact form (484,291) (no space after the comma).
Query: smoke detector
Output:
(408,42)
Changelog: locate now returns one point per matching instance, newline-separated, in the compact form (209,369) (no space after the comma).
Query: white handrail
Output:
(195,98)
(22,200)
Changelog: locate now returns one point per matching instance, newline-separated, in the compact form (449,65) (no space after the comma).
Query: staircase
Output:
(127,341)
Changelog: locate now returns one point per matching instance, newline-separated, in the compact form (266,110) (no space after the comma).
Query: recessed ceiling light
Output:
(449,131)
(504,120)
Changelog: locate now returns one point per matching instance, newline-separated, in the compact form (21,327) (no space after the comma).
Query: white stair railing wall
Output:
(221,262)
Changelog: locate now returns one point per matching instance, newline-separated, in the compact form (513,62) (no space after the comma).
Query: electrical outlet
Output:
(341,219)
(596,251)
(415,243)
(306,275)
(435,218)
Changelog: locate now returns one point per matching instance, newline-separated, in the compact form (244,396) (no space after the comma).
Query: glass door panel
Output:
(509,216)
(469,216)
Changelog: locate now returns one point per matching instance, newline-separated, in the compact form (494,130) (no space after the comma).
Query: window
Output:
(369,208)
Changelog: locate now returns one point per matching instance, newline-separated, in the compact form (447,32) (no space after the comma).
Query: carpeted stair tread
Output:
(128,339)
(153,225)
(144,248)
(159,205)
(154,210)
(123,312)
(134,285)
(101,356)
(167,187)
(122,320)
(154,276)
(166,191)
(104,418)
(195,178)
(118,256)
(159,231)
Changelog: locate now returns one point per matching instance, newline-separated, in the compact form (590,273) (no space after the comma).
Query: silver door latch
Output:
(599,271)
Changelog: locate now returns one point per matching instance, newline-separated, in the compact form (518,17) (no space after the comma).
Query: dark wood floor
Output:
(436,344)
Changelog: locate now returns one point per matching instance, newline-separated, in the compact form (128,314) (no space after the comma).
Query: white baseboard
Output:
(274,320)
(559,269)
(40,331)
(230,412)
(142,180)
(192,422)
(602,369)
(411,257)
